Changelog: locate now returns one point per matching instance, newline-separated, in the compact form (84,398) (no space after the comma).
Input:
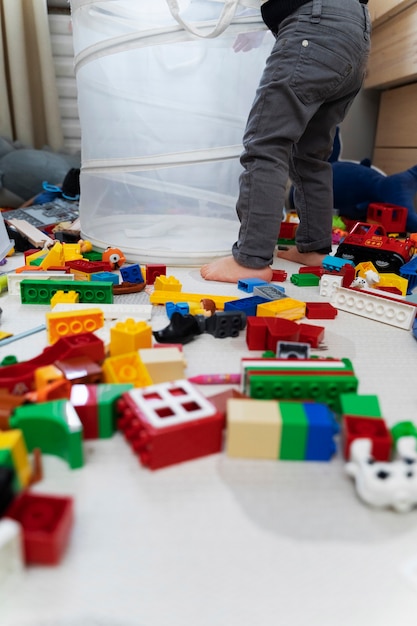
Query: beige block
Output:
(253,429)
(164,364)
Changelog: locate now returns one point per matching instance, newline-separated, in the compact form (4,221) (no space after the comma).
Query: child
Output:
(311,78)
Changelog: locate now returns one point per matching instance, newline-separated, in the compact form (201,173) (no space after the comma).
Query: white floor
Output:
(220,541)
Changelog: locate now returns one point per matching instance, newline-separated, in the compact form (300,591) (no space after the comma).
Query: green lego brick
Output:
(93,255)
(41,291)
(107,396)
(54,427)
(305,280)
(294,431)
(403,429)
(363,405)
(321,388)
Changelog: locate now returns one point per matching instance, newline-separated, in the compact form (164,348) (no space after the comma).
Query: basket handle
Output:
(224,20)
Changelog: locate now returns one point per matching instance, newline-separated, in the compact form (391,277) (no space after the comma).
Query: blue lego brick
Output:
(322,428)
(131,273)
(409,272)
(248,284)
(179,307)
(106,276)
(246,305)
(334,263)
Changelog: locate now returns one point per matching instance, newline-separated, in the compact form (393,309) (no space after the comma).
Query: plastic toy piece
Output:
(115,257)
(385,484)
(392,217)
(164,365)
(80,369)
(153,270)
(388,311)
(369,242)
(84,270)
(14,280)
(73,323)
(409,271)
(292,350)
(313,335)
(245,305)
(35,236)
(279,276)
(54,427)
(132,273)
(46,522)
(14,448)
(112,311)
(162,297)
(248,284)
(129,335)
(96,407)
(269,292)
(361,405)
(328,284)
(320,311)
(286,308)
(403,429)
(11,551)
(41,291)
(335,264)
(305,280)
(180,307)
(253,429)
(126,368)
(375,429)
(181,329)
(225,324)
(72,297)
(167,283)
(170,423)
(106,277)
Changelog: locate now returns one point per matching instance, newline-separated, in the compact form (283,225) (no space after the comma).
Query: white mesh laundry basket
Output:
(163,101)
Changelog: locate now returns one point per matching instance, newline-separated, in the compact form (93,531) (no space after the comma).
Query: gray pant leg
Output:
(312,75)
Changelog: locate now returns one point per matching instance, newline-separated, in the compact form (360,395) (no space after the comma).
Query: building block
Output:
(7,490)
(375,429)
(279,276)
(362,405)
(13,445)
(248,284)
(253,429)
(320,310)
(54,427)
(245,305)
(64,296)
(305,280)
(80,369)
(311,334)
(46,523)
(132,273)
(164,365)
(96,407)
(107,398)
(126,368)
(294,431)
(129,335)
(162,297)
(334,263)
(386,310)
(18,377)
(167,283)
(153,270)
(73,323)
(109,277)
(225,324)
(287,308)
(84,269)
(269,292)
(322,428)
(403,429)
(180,307)
(14,280)
(328,284)
(41,291)
(170,423)
(11,549)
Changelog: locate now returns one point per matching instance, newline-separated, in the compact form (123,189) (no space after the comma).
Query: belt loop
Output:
(316,12)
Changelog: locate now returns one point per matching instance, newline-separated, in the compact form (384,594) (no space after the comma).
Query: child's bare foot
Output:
(312,259)
(227,270)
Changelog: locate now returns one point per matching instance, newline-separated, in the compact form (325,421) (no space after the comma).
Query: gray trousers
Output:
(311,78)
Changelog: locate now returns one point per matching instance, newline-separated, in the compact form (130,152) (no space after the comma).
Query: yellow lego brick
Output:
(164,364)
(71,251)
(45,375)
(126,368)
(35,256)
(254,429)
(392,280)
(14,441)
(167,283)
(287,308)
(55,256)
(162,297)
(129,335)
(65,296)
(73,323)
(4,335)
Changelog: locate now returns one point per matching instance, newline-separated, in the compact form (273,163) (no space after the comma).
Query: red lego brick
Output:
(153,270)
(317,270)
(280,329)
(255,332)
(84,400)
(320,311)
(170,423)
(374,428)
(46,522)
(314,335)
(349,274)
(279,276)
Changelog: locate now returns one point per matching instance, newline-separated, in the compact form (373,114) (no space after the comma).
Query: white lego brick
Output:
(111,311)
(387,311)
(328,284)
(11,549)
(14,280)
(172,403)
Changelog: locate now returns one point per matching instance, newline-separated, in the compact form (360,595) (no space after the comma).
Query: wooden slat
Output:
(393,160)
(381,10)
(397,119)
(393,59)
